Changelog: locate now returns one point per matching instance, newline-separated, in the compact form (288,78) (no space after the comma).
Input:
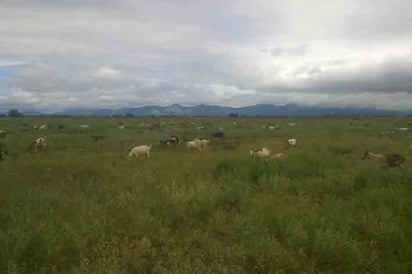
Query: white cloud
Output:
(107,73)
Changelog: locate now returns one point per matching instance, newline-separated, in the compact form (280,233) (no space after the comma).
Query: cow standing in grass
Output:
(198,144)
(172,140)
(38,144)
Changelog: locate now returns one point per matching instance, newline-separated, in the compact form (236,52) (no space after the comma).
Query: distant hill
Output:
(214,110)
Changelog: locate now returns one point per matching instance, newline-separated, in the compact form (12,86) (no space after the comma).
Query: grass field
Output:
(84,207)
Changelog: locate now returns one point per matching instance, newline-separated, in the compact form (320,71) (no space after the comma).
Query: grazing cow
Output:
(403,129)
(43,127)
(38,144)
(217,134)
(141,150)
(261,153)
(172,140)
(122,126)
(3,134)
(292,142)
(386,160)
(84,127)
(201,127)
(35,127)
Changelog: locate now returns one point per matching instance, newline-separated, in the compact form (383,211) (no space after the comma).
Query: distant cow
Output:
(43,127)
(3,134)
(141,150)
(199,144)
(217,134)
(260,153)
(84,127)
(38,144)
(292,142)
(61,127)
(386,160)
(172,140)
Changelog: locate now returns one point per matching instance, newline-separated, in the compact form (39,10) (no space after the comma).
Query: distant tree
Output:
(233,114)
(14,113)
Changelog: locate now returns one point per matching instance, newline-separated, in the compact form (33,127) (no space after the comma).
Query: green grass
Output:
(84,207)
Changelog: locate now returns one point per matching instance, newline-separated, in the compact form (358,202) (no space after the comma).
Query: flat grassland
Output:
(82,206)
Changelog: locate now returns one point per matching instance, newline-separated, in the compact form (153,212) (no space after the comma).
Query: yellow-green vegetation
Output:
(83,207)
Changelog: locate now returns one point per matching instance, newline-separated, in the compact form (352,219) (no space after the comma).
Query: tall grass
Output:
(83,207)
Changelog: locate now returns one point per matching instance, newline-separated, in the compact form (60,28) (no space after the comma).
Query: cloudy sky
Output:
(105,53)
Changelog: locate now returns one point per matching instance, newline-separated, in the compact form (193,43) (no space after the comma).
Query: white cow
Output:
(43,127)
(198,144)
(84,127)
(141,150)
(122,126)
(292,142)
(260,153)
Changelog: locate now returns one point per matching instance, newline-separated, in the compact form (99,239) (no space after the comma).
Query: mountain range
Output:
(215,110)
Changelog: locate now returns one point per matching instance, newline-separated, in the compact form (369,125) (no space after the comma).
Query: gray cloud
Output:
(58,54)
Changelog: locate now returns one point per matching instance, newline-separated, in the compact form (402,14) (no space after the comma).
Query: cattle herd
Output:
(39,144)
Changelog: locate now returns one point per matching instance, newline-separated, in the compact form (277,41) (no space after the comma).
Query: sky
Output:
(57,55)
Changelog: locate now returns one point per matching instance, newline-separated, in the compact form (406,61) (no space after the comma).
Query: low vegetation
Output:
(82,206)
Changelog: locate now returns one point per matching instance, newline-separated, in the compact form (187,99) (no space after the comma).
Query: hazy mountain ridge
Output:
(215,110)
